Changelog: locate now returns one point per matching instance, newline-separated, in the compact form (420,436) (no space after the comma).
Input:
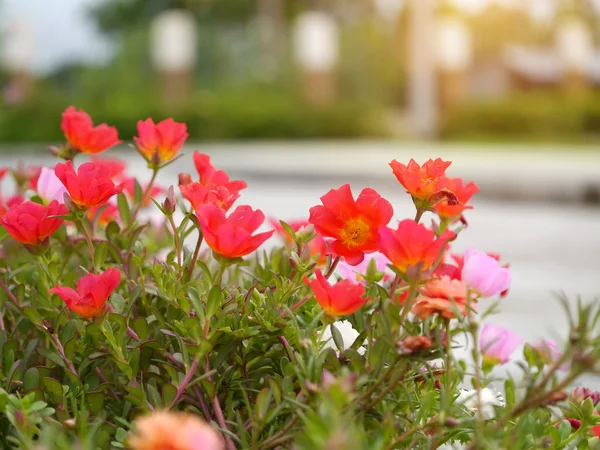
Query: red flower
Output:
(231,236)
(104,214)
(340,299)
(352,223)
(412,245)
(129,189)
(463,194)
(83,136)
(214,186)
(443,296)
(29,223)
(3,172)
(115,166)
(90,186)
(163,139)
(92,292)
(13,201)
(209,175)
(199,195)
(420,181)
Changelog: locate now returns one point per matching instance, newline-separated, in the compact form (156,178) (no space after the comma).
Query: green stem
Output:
(144,196)
(177,242)
(332,267)
(90,242)
(196,254)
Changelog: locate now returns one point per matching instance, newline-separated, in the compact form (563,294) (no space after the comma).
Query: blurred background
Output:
(300,96)
(259,69)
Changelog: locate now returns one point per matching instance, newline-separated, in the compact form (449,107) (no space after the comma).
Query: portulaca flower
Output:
(49,187)
(349,335)
(489,399)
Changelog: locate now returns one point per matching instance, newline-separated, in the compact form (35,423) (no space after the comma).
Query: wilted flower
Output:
(489,400)
(161,430)
(498,343)
(463,193)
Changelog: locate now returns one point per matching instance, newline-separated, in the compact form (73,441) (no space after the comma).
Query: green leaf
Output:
(137,191)
(100,253)
(54,388)
(70,347)
(12,372)
(31,378)
(124,211)
(140,326)
(263,400)
(169,392)
(95,402)
(215,299)
(337,337)
(118,303)
(52,356)
(112,231)
(288,229)
(33,315)
(564,429)
(197,302)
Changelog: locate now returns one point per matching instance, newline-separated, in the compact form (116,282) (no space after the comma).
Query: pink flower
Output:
(356,274)
(483,273)
(498,343)
(549,352)
(49,187)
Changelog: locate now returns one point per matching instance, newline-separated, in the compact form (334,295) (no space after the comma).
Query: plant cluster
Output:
(134,317)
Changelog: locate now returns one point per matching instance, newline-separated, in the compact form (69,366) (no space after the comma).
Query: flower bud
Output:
(19,418)
(170,203)
(579,394)
(70,423)
(593,442)
(185,179)
(451,422)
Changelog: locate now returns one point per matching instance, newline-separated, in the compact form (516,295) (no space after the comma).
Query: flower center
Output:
(355,233)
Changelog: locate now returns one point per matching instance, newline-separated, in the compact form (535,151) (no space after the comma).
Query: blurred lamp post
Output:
(421,68)
(315,43)
(454,51)
(174,50)
(575,48)
(18,57)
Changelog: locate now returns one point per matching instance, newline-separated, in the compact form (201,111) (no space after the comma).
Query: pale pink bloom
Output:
(49,187)
(356,274)
(484,274)
(550,352)
(498,343)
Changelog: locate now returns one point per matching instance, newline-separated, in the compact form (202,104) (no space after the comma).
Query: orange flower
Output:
(420,181)
(164,430)
(353,224)
(443,296)
(412,245)
(463,193)
(160,141)
(340,299)
(83,136)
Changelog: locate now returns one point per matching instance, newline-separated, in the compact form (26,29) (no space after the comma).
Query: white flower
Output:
(452,445)
(489,399)
(349,335)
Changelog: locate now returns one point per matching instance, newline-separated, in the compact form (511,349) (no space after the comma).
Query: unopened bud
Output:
(170,203)
(70,423)
(311,387)
(451,422)
(185,179)
(306,233)
(19,418)
(593,442)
